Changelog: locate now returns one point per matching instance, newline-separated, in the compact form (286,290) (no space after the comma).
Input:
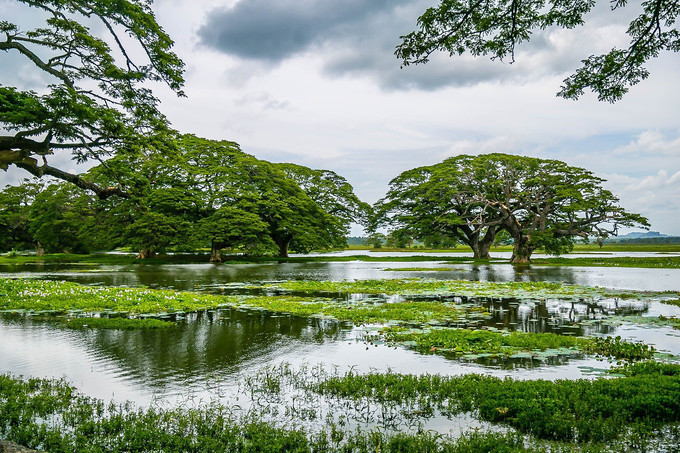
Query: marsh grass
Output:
(635,412)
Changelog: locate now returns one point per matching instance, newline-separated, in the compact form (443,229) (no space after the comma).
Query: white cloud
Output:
(652,141)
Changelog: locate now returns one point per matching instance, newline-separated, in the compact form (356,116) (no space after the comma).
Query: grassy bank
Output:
(427,255)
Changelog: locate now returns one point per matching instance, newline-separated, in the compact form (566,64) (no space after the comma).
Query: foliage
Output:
(97,101)
(15,215)
(496,28)
(539,203)
(358,312)
(210,193)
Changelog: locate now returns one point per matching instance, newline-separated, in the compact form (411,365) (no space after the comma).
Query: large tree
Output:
(208,192)
(332,192)
(424,203)
(96,101)
(496,27)
(540,203)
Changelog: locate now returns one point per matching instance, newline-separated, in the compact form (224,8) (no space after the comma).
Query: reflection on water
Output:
(193,276)
(209,353)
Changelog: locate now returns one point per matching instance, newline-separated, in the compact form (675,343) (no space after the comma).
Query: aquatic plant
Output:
(415,286)
(52,416)
(464,341)
(583,411)
(675,302)
(117,323)
(617,348)
(44,295)
(359,312)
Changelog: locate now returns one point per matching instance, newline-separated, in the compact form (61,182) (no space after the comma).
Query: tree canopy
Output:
(96,101)
(540,203)
(184,194)
(496,27)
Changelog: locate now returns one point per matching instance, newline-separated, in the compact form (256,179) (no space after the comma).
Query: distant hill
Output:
(645,235)
(650,237)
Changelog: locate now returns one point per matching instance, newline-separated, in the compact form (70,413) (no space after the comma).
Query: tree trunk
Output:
(480,251)
(145,253)
(215,253)
(521,252)
(480,247)
(283,246)
(39,250)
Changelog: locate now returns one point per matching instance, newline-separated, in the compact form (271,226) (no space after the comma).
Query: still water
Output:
(210,353)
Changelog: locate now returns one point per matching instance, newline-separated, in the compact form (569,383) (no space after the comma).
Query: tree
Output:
(539,203)
(231,226)
(15,215)
(200,188)
(496,27)
(440,200)
(331,192)
(62,220)
(95,105)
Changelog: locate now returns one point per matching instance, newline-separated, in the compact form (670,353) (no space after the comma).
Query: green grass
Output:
(580,411)
(50,415)
(418,269)
(648,262)
(618,414)
(663,262)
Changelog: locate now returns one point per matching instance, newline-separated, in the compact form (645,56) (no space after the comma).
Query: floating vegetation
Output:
(41,295)
(362,311)
(418,269)
(520,290)
(675,302)
(474,342)
(117,323)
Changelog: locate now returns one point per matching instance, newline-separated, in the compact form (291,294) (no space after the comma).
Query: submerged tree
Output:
(94,105)
(540,203)
(496,27)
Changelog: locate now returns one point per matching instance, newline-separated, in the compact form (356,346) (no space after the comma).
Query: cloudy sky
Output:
(316,82)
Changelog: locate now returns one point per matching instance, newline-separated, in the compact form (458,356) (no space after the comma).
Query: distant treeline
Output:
(654,240)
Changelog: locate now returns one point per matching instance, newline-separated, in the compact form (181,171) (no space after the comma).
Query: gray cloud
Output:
(274,30)
(358,38)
